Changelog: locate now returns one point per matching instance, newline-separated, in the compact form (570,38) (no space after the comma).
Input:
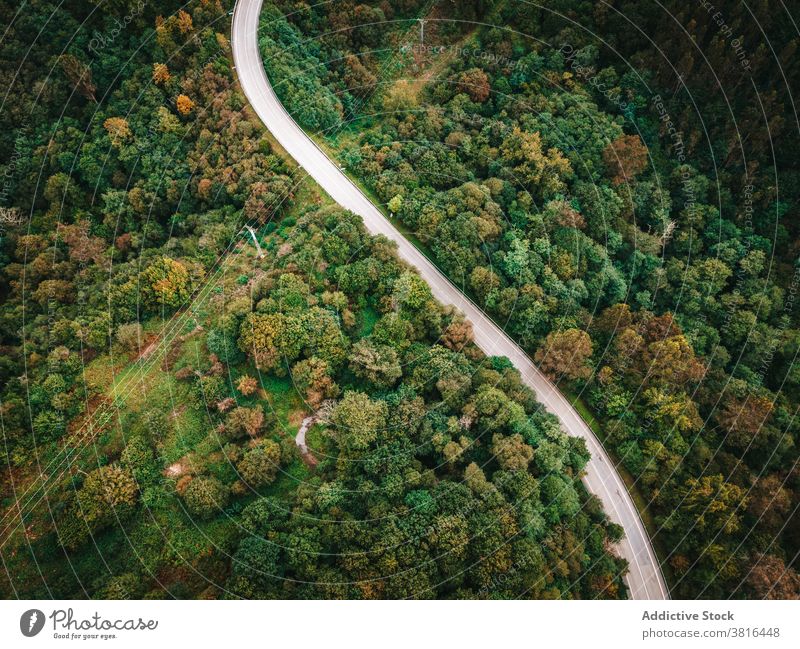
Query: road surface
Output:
(644,579)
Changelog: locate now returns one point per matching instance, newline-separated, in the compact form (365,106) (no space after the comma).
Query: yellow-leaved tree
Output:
(165,283)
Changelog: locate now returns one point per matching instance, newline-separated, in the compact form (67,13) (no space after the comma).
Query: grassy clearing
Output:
(289,478)
(190,427)
(282,399)
(367,320)
(316,440)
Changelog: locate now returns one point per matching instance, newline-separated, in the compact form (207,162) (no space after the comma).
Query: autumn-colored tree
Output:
(770,501)
(204,187)
(118,130)
(474,83)
(164,34)
(771,578)
(744,418)
(564,214)
(165,283)
(184,105)
(566,354)
(247,385)
(625,158)
(242,422)
(399,98)
(357,77)
(223,42)
(627,352)
(186,372)
(123,242)
(712,504)
(265,199)
(54,290)
(613,319)
(226,404)
(161,73)
(658,328)
(83,246)
(542,171)
(670,410)
(671,363)
(458,335)
(313,378)
(184,22)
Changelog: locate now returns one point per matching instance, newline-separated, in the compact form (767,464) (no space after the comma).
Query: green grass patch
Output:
(189,429)
(289,478)
(282,399)
(367,319)
(316,441)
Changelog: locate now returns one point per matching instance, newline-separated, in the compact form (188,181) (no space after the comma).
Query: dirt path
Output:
(300,439)
(149,348)
(321,415)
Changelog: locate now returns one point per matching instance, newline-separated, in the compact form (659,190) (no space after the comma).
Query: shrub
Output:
(108,493)
(247,385)
(224,345)
(205,497)
(129,336)
(244,421)
(260,464)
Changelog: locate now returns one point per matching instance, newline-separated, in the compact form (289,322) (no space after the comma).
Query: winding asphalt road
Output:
(644,579)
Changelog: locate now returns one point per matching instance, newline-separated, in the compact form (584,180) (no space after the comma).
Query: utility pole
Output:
(255,241)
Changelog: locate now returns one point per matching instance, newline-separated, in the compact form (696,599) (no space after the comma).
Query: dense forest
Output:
(158,365)
(615,183)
